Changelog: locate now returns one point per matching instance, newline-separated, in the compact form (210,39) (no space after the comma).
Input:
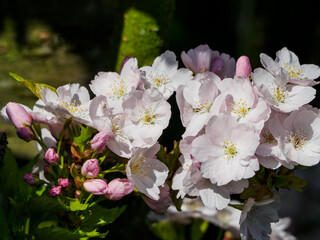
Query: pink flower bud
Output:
(96,186)
(25,134)
(99,141)
(243,67)
(217,64)
(118,188)
(63,182)
(18,115)
(51,156)
(55,191)
(162,204)
(30,178)
(90,168)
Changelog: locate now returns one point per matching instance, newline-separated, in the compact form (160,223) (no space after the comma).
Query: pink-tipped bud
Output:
(63,182)
(119,188)
(55,191)
(30,178)
(25,134)
(18,115)
(243,67)
(96,186)
(51,156)
(90,168)
(99,141)
(217,65)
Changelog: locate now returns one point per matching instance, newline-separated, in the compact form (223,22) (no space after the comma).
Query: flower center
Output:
(294,72)
(230,149)
(148,117)
(115,126)
(239,108)
(279,94)
(138,166)
(73,107)
(158,80)
(298,139)
(117,88)
(199,107)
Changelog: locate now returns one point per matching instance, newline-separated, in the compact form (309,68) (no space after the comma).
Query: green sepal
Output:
(35,88)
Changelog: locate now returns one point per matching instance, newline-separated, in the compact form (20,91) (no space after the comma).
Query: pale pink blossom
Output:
(196,102)
(69,101)
(203,59)
(147,173)
(240,99)
(298,136)
(280,95)
(227,150)
(165,75)
(114,86)
(288,61)
(105,121)
(147,115)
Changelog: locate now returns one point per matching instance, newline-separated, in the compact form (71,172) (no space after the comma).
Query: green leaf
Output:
(99,216)
(75,205)
(33,87)
(83,138)
(198,229)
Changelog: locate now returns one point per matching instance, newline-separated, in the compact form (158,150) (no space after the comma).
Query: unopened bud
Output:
(30,178)
(63,182)
(96,186)
(55,191)
(25,134)
(90,168)
(51,156)
(243,67)
(18,115)
(119,188)
(99,141)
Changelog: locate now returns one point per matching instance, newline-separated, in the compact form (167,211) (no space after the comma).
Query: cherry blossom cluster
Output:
(237,120)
